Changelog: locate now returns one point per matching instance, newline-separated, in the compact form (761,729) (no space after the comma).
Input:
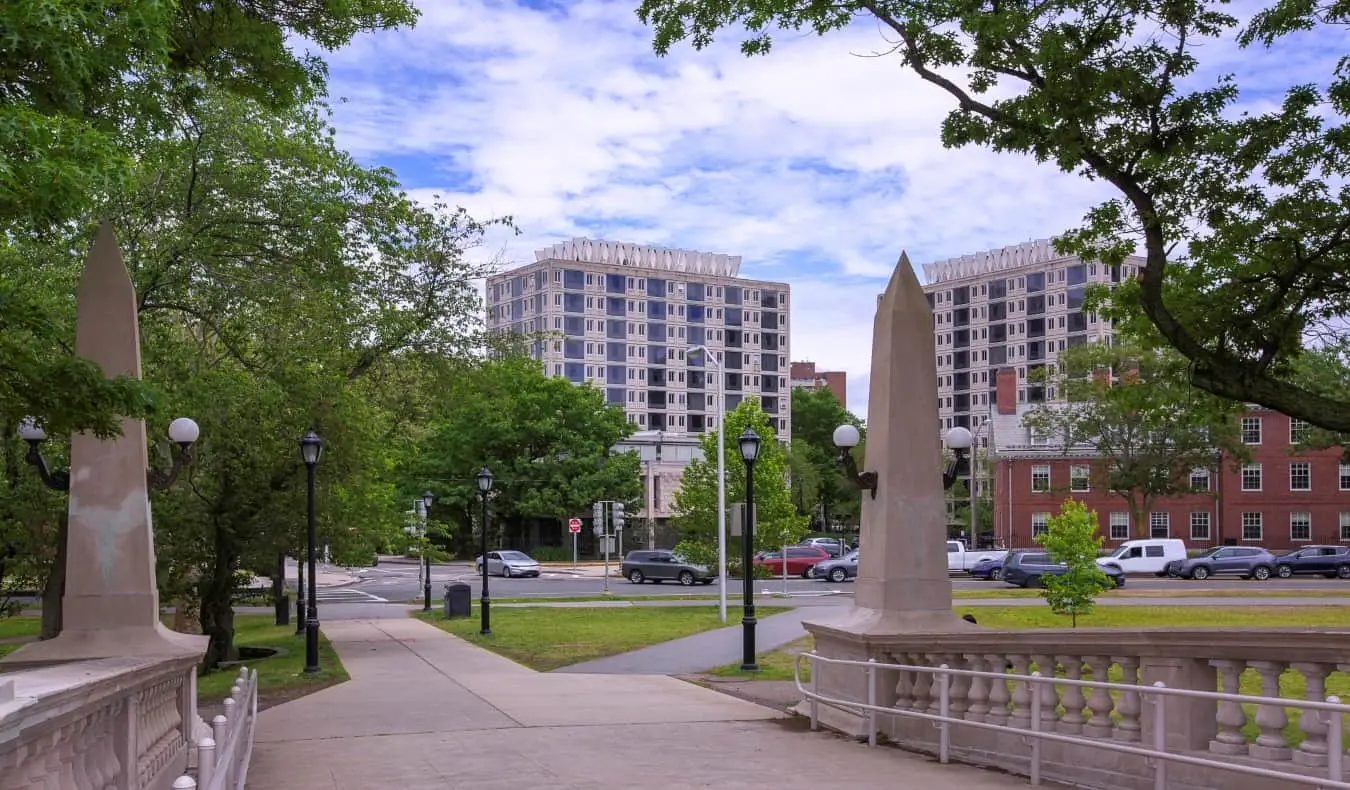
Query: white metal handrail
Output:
(223,758)
(1157,754)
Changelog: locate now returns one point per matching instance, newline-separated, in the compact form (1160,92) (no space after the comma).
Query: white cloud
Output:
(817,164)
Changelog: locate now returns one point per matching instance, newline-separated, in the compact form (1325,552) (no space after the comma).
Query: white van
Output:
(1149,555)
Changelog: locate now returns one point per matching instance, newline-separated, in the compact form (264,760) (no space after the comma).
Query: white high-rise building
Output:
(623,317)
(1015,307)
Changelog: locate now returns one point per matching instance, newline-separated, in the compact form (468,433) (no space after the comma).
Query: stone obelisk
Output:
(111,602)
(903,585)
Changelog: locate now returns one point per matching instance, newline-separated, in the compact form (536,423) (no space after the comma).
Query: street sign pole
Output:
(574,527)
(605,541)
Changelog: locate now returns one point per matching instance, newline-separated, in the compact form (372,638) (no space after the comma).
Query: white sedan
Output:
(508,564)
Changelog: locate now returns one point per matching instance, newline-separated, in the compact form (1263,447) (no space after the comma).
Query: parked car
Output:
(660,566)
(989,570)
(799,561)
(508,564)
(1149,555)
(1248,562)
(1027,568)
(960,558)
(838,570)
(1328,561)
(837,547)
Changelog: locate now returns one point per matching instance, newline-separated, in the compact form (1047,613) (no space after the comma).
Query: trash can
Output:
(457,600)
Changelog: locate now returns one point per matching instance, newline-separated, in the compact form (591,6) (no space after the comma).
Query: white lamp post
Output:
(711,358)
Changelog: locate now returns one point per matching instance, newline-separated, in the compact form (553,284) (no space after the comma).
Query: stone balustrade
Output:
(121,723)
(1200,659)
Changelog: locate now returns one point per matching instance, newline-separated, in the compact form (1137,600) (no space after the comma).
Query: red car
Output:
(800,560)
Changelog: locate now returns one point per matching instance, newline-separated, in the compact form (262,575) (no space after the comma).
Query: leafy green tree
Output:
(819,485)
(1073,538)
(1241,216)
(1146,424)
(546,441)
(777,522)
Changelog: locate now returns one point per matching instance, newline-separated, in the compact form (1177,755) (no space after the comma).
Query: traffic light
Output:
(598,514)
(618,516)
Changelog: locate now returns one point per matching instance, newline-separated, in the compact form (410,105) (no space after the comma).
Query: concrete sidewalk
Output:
(426,710)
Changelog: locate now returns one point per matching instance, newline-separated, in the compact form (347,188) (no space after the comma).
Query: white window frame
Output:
(1298,430)
(1200,475)
(1038,472)
(1344,472)
(1080,473)
(1300,519)
(1201,518)
(1160,518)
(1119,528)
(1256,468)
(1345,525)
(1040,524)
(1252,424)
(1253,520)
(1303,467)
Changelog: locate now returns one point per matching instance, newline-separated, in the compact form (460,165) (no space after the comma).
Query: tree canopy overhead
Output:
(1242,211)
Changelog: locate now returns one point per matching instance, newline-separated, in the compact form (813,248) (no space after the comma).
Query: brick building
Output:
(1278,499)
(805,375)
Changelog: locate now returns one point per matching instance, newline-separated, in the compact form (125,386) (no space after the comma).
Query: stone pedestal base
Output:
(1229,749)
(124,642)
(1259,752)
(1310,759)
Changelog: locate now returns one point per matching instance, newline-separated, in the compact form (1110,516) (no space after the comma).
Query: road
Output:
(390,582)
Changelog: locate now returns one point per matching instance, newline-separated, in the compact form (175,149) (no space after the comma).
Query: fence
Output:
(1031,725)
(222,758)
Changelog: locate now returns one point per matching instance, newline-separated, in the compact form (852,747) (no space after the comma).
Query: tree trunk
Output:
(55,589)
(279,602)
(217,611)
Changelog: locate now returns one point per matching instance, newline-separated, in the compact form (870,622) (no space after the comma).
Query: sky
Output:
(818,164)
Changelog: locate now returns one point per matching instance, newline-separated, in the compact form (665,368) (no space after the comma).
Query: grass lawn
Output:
(545,639)
(778,664)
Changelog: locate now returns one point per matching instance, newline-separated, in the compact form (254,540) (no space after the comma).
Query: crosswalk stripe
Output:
(347,595)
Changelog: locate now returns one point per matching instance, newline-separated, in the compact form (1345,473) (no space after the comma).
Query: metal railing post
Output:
(206,760)
(871,701)
(945,711)
(1159,737)
(1335,742)
(815,690)
(1035,727)
(185,783)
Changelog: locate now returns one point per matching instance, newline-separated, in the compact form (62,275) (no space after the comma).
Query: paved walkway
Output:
(701,652)
(426,710)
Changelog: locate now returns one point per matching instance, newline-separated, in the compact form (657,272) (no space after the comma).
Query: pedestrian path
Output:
(700,652)
(426,710)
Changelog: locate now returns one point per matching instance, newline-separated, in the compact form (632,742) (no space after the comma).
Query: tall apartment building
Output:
(623,317)
(805,375)
(1015,307)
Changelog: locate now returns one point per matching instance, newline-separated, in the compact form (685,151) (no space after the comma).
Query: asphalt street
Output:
(399,583)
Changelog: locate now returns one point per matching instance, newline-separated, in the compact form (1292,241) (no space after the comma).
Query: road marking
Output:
(347,595)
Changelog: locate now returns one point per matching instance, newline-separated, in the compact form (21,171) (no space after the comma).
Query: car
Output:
(799,561)
(1328,561)
(659,566)
(838,570)
(837,547)
(1027,568)
(1248,562)
(1148,555)
(988,569)
(960,558)
(508,563)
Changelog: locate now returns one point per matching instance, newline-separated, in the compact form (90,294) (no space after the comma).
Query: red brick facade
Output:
(805,374)
(1289,509)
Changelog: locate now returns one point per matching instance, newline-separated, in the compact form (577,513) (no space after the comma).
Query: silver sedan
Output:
(508,564)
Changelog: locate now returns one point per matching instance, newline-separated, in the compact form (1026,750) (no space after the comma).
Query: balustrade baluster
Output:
(1099,701)
(1048,693)
(1270,744)
(1127,729)
(924,685)
(1229,715)
(1071,723)
(956,695)
(998,690)
(1020,716)
(977,694)
(1313,751)
(904,685)
(958,687)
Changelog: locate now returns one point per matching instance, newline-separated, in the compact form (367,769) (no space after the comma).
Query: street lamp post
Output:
(484,602)
(311,449)
(709,357)
(959,441)
(427,499)
(749,443)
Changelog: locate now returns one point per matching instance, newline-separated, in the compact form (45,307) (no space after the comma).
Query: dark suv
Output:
(1026,568)
(659,566)
(1329,561)
(1248,562)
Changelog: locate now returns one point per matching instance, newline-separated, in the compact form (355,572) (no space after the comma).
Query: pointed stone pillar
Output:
(111,601)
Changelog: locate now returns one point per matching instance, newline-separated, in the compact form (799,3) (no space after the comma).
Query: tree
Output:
(777,523)
(1147,427)
(818,480)
(1242,216)
(1073,539)
(547,442)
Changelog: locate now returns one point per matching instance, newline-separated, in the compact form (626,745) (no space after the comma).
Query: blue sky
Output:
(816,165)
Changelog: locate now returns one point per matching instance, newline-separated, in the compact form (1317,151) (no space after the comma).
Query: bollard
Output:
(206,760)
(185,783)
(220,729)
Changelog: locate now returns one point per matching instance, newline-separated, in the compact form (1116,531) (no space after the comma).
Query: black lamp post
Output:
(427,499)
(749,442)
(311,449)
(484,602)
